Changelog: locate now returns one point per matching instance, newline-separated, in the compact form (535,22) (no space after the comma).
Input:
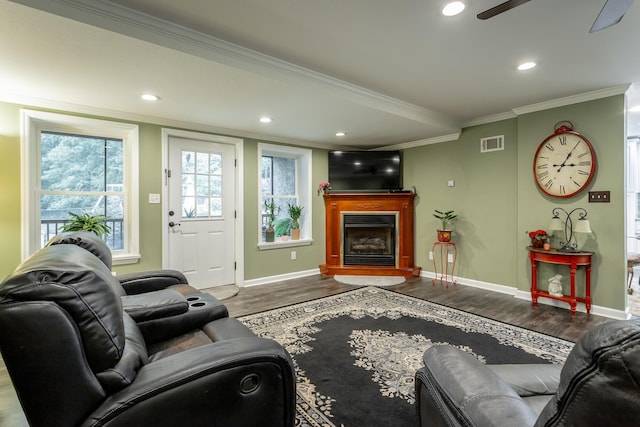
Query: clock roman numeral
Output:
(563,139)
(576,182)
(562,190)
(587,163)
(584,153)
(543,175)
(549,147)
(543,166)
(548,184)
(581,172)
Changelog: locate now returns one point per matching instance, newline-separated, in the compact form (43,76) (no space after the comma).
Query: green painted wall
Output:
(257,263)
(602,123)
(9,188)
(484,197)
(498,202)
(494,195)
(266,263)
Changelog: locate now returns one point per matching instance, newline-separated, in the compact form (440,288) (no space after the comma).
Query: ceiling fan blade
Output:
(502,7)
(611,13)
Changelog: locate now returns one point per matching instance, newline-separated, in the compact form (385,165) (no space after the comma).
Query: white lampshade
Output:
(583,226)
(556,224)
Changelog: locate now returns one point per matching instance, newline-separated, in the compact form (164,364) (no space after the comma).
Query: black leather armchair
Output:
(599,385)
(162,302)
(76,358)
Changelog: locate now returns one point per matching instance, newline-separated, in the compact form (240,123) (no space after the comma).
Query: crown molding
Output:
(573,99)
(120,19)
(490,119)
(421,142)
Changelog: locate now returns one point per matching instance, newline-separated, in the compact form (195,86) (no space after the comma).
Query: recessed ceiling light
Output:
(453,8)
(150,97)
(341,134)
(526,66)
(265,120)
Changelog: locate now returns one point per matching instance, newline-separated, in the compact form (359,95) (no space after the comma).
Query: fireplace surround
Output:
(370,234)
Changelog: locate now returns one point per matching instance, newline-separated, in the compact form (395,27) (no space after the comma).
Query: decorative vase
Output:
(270,235)
(546,246)
(444,235)
(295,234)
(537,243)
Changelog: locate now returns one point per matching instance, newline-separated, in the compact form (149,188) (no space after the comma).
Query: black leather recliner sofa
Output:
(599,385)
(77,358)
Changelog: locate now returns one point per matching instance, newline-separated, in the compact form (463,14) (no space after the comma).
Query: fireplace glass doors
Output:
(369,239)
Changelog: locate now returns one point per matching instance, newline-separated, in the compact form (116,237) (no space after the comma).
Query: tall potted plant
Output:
(271,209)
(295,212)
(445,217)
(87,222)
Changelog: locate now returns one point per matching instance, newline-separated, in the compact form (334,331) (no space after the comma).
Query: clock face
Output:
(564,164)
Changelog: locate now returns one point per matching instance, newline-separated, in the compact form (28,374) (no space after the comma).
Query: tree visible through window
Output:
(81,174)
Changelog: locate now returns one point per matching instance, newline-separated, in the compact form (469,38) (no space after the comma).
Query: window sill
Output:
(266,246)
(122,259)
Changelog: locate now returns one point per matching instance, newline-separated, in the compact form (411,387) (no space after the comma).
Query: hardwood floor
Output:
(546,319)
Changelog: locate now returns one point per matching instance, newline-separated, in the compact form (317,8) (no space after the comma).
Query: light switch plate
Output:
(154,198)
(599,196)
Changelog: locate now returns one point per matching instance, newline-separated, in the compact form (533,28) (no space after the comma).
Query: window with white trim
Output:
(75,165)
(284,180)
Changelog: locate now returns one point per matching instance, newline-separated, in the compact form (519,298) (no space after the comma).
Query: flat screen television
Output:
(365,171)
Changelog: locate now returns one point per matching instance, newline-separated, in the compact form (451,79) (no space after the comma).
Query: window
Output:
(78,165)
(284,180)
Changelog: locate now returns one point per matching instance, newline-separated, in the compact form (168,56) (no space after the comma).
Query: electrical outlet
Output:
(293,255)
(430,255)
(450,258)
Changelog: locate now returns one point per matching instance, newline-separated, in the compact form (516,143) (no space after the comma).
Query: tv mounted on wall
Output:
(365,171)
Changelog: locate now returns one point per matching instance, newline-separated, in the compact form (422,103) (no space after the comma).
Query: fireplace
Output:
(370,234)
(369,239)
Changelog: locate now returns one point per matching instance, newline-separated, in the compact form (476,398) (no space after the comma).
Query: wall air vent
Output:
(492,143)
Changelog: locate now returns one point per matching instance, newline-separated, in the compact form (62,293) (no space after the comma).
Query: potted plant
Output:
(445,217)
(271,209)
(295,212)
(538,238)
(87,222)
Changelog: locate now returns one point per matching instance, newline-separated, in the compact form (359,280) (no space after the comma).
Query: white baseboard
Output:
(279,277)
(516,293)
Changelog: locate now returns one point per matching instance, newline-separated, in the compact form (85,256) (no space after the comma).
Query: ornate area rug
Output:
(356,353)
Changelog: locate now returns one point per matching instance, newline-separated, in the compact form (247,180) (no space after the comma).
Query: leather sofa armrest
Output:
(154,305)
(454,388)
(530,379)
(237,382)
(151,280)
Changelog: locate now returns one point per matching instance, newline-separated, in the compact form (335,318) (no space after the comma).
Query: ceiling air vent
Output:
(492,143)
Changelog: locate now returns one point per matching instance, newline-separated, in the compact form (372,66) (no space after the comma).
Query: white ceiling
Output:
(387,72)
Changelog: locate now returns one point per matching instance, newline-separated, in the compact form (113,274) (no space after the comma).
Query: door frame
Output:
(238,224)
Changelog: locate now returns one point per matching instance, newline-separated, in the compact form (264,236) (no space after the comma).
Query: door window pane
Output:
(201,185)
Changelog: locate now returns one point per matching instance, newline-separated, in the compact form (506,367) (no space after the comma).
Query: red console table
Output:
(571,259)
(443,250)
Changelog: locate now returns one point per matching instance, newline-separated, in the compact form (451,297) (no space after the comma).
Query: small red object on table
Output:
(444,248)
(571,259)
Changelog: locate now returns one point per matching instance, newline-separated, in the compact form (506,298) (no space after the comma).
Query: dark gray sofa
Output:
(77,358)
(599,385)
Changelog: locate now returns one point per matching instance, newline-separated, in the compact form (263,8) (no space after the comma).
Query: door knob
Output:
(173,224)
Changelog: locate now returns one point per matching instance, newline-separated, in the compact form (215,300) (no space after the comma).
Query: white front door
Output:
(201,211)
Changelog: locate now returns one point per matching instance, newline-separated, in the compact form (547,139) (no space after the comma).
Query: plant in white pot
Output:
(445,217)
(87,222)
(295,212)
